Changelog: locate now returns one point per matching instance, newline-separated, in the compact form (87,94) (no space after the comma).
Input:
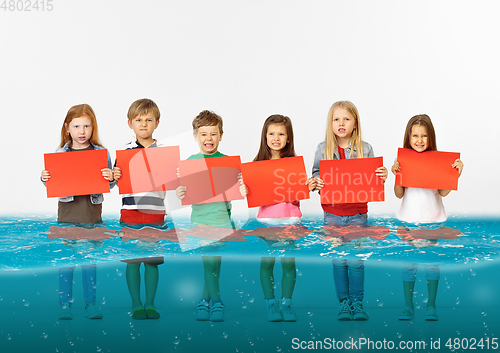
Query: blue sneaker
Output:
(431,314)
(407,314)
(357,311)
(345,311)
(202,311)
(273,311)
(217,312)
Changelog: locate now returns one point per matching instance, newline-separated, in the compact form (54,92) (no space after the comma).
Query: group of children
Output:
(342,141)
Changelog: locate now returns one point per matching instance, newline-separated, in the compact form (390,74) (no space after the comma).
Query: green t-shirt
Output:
(217,214)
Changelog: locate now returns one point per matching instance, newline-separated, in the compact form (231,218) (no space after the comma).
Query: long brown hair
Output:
(330,138)
(79,111)
(425,121)
(264,150)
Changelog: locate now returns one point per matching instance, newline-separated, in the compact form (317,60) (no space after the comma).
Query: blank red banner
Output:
(351,180)
(210,179)
(429,169)
(76,173)
(274,181)
(148,169)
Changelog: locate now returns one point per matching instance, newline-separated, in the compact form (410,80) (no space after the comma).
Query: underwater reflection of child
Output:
(79,133)
(277,142)
(343,141)
(421,206)
(145,208)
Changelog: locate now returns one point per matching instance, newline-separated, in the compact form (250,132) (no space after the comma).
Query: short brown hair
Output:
(207,118)
(425,121)
(142,107)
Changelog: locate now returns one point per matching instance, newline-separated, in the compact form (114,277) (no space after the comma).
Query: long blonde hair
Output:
(330,138)
(78,111)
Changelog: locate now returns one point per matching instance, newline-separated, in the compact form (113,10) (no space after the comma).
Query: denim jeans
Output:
(348,274)
(66,284)
(410,271)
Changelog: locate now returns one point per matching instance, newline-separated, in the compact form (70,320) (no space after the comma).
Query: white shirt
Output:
(422,206)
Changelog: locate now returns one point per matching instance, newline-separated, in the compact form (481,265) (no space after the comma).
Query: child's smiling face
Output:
(80,129)
(208,138)
(419,139)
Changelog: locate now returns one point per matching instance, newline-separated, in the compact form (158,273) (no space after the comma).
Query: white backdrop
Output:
(247,60)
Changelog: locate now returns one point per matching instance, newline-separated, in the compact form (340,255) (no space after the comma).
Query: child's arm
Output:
(399,191)
(460,166)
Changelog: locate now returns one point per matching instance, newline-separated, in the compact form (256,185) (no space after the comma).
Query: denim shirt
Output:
(320,154)
(96,199)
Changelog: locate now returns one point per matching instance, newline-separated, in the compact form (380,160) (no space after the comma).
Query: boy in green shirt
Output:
(207,131)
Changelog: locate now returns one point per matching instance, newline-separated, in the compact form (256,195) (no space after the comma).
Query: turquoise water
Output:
(467,294)
(24,242)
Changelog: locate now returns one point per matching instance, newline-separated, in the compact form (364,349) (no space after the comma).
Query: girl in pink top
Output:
(277,142)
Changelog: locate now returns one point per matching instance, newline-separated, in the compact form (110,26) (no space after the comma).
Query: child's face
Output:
(208,138)
(143,126)
(80,130)
(343,123)
(277,137)
(419,140)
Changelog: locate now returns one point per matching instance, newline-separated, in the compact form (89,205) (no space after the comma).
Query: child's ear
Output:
(157,123)
(220,137)
(130,124)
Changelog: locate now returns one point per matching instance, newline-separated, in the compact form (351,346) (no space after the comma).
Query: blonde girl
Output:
(421,206)
(343,141)
(277,142)
(79,132)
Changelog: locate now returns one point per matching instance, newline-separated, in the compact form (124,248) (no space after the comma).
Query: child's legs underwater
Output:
(88,281)
(211,268)
(287,263)
(348,274)
(432,275)
(66,285)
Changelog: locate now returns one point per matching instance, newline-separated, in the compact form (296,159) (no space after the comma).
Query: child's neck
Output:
(275,154)
(343,142)
(146,142)
(78,146)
